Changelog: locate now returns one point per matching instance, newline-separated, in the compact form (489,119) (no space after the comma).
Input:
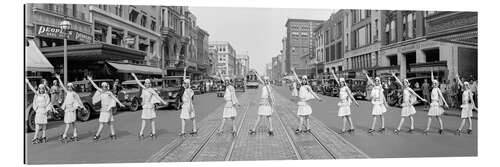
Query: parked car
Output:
(130,95)
(29,113)
(239,84)
(395,94)
(86,91)
(198,86)
(170,91)
(221,88)
(359,88)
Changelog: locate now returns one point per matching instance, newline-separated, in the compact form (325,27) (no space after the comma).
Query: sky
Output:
(256,31)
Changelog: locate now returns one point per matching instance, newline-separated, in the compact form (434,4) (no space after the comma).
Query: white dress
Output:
(435,109)
(107,104)
(377,95)
(304,95)
(71,103)
(231,100)
(41,104)
(265,108)
(407,106)
(149,99)
(344,103)
(467,105)
(294,90)
(187,111)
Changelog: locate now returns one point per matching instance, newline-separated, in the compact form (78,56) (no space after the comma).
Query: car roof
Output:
(130,82)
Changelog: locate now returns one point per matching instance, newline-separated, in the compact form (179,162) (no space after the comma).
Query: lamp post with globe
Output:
(65,26)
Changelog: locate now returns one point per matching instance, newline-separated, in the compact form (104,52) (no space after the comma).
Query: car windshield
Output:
(130,86)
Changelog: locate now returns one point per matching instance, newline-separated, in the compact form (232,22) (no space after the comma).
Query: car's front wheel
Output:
(135,105)
(31,121)
(83,114)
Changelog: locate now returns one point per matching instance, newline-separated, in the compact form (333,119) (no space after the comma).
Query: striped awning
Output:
(35,60)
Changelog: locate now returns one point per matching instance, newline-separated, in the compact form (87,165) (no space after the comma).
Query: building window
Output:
(431,55)
(100,32)
(133,15)
(75,11)
(116,37)
(132,45)
(393,60)
(153,25)
(375,37)
(119,10)
(151,46)
(143,46)
(143,21)
(405,27)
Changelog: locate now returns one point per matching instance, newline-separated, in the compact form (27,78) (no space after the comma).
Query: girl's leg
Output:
(429,121)
(383,121)
(183,125)
(99,129)
(301,124)
(344,122)
(153,128)
(411,123)
(143,124)
(111,128)
(374,121)
(256,123)
(66,131)
(440,122)
(470,123)
(44,130)
(401,123)
(37,129)
(74,129)
(308,123)
(350,122)
(461,124)
(222,124)
(194,125)
(233,124)
(270,123)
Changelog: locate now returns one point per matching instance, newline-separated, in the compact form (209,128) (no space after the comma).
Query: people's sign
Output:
(56,32)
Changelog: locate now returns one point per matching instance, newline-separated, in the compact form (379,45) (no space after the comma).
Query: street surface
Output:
(323,142)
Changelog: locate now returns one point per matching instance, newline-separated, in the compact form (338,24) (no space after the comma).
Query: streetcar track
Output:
(233,143)
(287,133)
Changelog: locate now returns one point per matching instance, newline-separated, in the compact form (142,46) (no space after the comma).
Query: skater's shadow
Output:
(161,132)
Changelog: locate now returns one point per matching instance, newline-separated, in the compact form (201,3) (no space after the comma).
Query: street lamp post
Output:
(65,26)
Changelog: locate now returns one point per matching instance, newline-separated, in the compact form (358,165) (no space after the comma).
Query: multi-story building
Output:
(269,70)
(418,42)
(103,39)
(244,59)
(212,59)
(226,57)
(319,43)
(299,42)
(284,68)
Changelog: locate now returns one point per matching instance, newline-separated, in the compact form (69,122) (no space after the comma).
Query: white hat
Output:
(147,81)
(304,77)
(341,80)
(187,81)
(435,81)
(226,78)
(406,81)
(377,78)
(41,86)
(105,84)
(70,85)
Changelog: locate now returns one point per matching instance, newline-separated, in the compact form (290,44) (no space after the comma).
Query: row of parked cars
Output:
(129,94)
(360,88)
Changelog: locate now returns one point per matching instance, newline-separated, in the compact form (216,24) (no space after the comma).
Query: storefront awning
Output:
(35,60)
(132,68)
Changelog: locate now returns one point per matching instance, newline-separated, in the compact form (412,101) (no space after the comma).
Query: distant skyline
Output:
(256,31)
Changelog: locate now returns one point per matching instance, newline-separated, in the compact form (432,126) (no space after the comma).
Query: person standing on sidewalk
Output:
(108,102)
(71,103)
(346,99)
(265,105)
(436,109)
(187,111)
(468,105)
(407,109)
(425,91)
(295,93)
(149,99)
(230,107)
(379,103)
(55,93)
(41,103)
(304,111)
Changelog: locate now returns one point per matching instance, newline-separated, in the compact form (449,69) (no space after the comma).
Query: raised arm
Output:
(260,79)
(397,79)
(370,81)
(351,96)
(415,94)
(184,75)
(93,84)
(335,77)
(472,100)
(313,93)
(459,81)
(116,99)
(295,74)
(61,83)
(138,82)
(31,86)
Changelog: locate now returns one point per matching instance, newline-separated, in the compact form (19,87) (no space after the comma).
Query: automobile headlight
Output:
(170,94)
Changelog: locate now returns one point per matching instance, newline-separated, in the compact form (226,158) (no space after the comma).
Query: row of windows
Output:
(66,9)
(359,15)
(362,61)
(118,38)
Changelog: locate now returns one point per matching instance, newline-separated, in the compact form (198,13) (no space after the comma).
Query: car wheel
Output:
(31,121)
(83,114)
(135,105)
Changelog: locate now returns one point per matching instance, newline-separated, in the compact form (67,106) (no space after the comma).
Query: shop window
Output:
(393,60)
(133,16)
(431,55)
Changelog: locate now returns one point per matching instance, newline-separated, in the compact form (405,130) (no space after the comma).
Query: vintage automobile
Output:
(130,95)
(220,89)
(198,86)
(395,94)
(359,88)
(239,84)
(251,79)
(170,91)
(30,113)
(85,90)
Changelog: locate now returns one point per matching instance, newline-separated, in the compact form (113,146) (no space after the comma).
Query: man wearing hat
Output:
(230,106)
(265,106)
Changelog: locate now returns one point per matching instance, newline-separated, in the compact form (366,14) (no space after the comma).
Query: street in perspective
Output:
(138,84)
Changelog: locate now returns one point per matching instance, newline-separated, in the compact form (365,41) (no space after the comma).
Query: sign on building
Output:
(56,32)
